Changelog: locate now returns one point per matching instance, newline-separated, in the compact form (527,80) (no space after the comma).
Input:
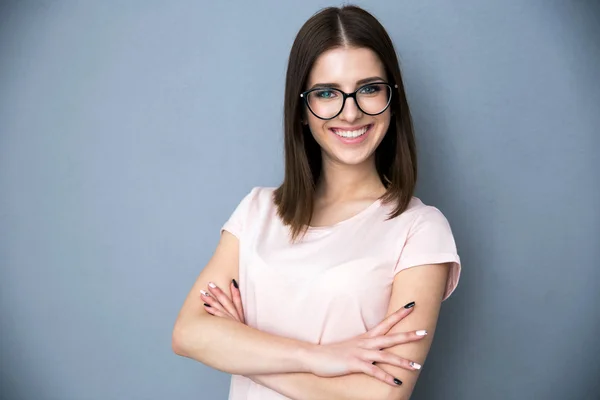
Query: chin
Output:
(351,160)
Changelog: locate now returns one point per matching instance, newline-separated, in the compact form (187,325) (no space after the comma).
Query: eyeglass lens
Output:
(328,102)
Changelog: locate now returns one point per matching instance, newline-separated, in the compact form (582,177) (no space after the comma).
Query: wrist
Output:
(305,354)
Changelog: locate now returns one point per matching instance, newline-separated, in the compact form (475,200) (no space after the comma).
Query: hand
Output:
(217,303)
(360,353)
(355,355)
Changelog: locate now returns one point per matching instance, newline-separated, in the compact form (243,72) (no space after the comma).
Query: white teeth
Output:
(351,134)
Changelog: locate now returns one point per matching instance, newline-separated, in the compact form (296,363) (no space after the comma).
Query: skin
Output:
(349,180)
(346,67)
(217,335)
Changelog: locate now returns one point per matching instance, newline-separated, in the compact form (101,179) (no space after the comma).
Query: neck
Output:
(340,182)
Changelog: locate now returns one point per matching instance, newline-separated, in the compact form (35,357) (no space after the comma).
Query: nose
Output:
(350,112)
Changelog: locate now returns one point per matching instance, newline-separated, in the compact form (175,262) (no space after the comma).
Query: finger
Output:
(216,312)
(211,301)
(237,300)
(222,297)
(386,357)
(384,326)
(378,373)
(216,309)
(386,341)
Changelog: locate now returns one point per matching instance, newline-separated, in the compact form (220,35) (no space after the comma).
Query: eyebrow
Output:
(358,83)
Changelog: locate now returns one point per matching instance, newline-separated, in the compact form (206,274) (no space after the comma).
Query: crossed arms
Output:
(302,370)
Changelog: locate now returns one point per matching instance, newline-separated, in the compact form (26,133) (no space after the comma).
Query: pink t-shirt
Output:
(336,282)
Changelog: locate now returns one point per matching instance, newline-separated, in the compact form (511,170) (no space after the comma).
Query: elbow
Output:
(178,341)
(183,342)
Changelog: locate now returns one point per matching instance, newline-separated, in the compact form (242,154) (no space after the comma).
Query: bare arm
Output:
(224,344)
(425,285)
(302,386)
(233,347)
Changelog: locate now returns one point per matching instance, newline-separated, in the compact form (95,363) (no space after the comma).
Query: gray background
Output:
(129,131)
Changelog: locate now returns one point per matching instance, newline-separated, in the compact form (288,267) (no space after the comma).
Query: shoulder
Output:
(417,213)
(257,203)
(261,196)
(428,213)
(258,200)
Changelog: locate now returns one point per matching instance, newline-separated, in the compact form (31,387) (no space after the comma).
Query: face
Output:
(351,137)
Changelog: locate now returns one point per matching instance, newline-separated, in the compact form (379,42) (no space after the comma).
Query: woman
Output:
(330,264)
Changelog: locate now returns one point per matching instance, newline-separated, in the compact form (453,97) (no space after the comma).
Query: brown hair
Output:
(395,157)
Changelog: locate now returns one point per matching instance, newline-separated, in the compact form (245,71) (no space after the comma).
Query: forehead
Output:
(345,66)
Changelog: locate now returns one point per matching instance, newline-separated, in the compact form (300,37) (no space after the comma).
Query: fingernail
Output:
(421,333)
(410,305)
(212,285)
(235,284)
(415,365)
(207,305)
(397,381)
(204,293)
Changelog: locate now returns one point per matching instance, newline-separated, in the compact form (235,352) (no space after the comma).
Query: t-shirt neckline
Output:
(356,216)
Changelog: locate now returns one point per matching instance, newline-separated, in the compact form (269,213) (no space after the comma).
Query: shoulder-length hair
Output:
(395,157)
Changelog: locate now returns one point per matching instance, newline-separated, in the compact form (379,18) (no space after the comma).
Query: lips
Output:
(352,132)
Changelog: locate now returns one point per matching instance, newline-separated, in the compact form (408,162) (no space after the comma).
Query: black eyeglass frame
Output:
(345,95)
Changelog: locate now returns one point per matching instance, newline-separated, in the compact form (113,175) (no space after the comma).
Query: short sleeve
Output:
(430,241)
(238,219)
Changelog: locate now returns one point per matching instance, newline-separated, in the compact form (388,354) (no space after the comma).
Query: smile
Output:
(351,133)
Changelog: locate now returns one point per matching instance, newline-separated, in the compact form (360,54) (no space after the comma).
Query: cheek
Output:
(384,121)
(316,126)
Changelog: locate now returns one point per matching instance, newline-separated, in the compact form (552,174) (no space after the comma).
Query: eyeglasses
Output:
(327,103)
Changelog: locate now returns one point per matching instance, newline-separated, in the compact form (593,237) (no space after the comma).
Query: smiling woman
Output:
(329,286)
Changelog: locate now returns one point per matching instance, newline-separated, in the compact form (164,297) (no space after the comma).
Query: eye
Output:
(325,94)
(370,89)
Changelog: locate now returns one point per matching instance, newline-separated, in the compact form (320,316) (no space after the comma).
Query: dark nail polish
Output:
(207,305)
(397,381)
(410,305)
(235,284)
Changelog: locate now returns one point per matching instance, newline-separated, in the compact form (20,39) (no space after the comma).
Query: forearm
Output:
(235,348)
(306,386)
